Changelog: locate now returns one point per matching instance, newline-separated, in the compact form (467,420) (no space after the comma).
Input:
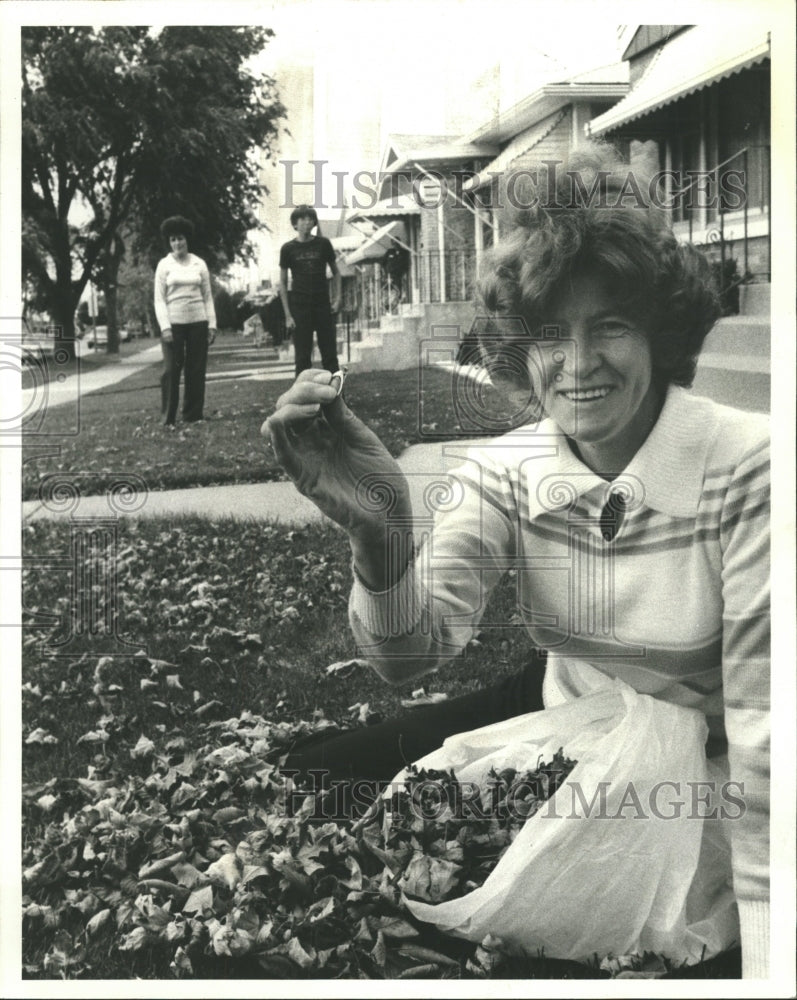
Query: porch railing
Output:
(446,277)
(731,252)
(376,292)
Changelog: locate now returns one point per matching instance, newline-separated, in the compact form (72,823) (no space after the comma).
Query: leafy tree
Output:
(134,288)
(128,123)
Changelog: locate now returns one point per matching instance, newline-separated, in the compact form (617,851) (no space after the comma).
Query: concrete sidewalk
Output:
(280,502)
(424,465)
(65,389)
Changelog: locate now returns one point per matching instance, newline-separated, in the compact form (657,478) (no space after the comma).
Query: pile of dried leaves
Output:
(206,854)
(445,837)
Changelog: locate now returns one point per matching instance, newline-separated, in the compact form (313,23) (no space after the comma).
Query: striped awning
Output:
(377,244)
(401,204)
(690,61)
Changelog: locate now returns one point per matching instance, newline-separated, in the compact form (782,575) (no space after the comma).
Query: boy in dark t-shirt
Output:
(307,308)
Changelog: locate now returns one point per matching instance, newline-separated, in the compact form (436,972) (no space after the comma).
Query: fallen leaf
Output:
(161,864)
(41,736)
(297,954)
(430,879)
(98,921)
(344,668)
(419,953)
(419,700)
(200,900)
(143,748)
(225,871)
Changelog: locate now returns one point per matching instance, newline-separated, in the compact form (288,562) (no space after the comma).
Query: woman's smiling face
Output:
(593,372)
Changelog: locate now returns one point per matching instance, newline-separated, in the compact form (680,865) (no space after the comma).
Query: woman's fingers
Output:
(335,413)
(293,418)
(284,430)
(309,387)
(276,431)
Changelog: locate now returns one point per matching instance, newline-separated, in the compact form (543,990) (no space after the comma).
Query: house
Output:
(701,96)
(418,263)
(700,104)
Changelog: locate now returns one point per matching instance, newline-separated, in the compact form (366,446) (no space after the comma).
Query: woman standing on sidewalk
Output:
(187,318)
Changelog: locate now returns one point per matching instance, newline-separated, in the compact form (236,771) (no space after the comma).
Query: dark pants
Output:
(362,761)
(188,349)
(313,315)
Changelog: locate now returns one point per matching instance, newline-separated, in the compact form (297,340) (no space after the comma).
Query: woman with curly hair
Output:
(187,318)
(595,316)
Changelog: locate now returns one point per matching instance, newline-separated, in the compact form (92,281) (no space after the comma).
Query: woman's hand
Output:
(166,335)
(290,322)
(212,335)
(342,466)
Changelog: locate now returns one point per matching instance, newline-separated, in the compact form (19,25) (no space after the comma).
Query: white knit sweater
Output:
(182,292)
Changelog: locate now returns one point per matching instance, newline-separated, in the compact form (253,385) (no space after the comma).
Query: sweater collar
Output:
(666,474)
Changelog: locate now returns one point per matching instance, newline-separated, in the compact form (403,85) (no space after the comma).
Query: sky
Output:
(411,54)
(394,66)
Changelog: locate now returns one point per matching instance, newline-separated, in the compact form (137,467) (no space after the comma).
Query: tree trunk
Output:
(113,320)
(110,286)
(155,330)
(62,309)
(63,302)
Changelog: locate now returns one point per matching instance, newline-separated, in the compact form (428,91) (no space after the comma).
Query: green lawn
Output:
(120,427)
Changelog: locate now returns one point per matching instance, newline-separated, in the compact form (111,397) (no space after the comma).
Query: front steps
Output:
(735,364)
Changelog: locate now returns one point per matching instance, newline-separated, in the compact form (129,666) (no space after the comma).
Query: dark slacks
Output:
(189,350)
(356,764)
(312,314)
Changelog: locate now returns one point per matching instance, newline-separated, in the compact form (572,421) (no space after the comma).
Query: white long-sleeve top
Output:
(182,292)
(677,605)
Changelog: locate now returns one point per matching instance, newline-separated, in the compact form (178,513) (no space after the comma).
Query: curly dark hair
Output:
(583,223)
(177,225)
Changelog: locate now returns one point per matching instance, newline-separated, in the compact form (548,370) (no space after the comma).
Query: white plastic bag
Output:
(604,871)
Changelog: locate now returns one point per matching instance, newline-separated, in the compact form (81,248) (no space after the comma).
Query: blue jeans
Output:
(189,350)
